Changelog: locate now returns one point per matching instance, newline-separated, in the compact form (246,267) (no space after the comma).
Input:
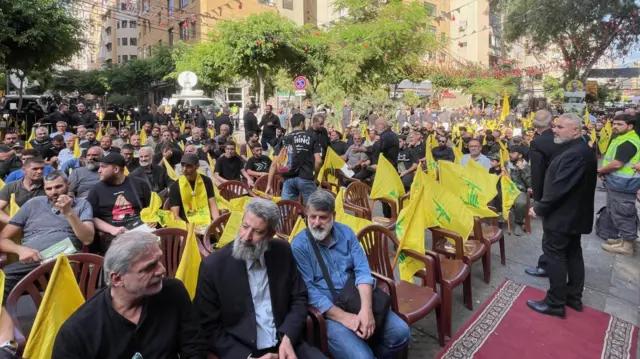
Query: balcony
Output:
(495,22)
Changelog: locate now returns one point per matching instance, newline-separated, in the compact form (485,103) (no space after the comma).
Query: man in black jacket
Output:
(542,150)
(251,299)
(251,121)
(154,175)
(566,209)
(269,123)
(223,119)
(84,117)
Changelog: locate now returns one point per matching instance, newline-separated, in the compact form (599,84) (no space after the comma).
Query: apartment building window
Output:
(109,47)
(108,31)
(287,4)
(124,24)
(193,29)
(119,59)
(123,6)
(147,49)
(443,36)
(184,31)
(494,41)
(118,24)
(118,41)
(183,3)
(132,24)
(170,7)
(125,58)
(431,8)
(171,37)
(133,57)
(268,2)
(133,41)
(433,29)
(125,41)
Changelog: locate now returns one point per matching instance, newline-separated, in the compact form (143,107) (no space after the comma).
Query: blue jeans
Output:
(343,343)
(292,188)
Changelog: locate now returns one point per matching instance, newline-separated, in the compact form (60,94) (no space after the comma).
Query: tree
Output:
(553,89)
(583,31)
(205,61)
(41,34)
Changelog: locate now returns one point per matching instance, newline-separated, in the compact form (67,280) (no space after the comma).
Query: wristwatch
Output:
(10,346)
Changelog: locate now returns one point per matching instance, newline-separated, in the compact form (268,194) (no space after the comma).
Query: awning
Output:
(447,94)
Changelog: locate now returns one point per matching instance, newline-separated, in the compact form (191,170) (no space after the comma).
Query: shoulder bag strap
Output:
(135,193)
(323,266)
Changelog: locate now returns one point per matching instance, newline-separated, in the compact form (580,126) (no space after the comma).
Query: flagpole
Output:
(395,260)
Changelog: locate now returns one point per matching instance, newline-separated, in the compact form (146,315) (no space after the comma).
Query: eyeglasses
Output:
(475,146)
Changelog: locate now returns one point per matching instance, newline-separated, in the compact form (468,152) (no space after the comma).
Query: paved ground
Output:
(612,283)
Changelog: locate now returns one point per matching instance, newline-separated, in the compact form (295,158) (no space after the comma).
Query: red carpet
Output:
(506,328)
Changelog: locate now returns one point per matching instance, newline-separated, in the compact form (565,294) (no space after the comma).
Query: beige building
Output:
(476,33)
(118,36)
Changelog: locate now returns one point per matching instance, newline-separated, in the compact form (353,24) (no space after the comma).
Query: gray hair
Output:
(384,121)
(322,200)
(542,119)
(265,209)
(146,149)
(54,175)
(98,147)
(577,120)
(59,123)
(123,251)
(46,130)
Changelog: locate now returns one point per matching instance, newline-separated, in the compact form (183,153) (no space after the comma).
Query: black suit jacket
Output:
(542,152)
(569,190)
(160,177)
(223,120)
(250,123)
(223,299)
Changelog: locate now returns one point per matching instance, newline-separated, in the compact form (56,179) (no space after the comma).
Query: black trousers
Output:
(563,254)
(302,349)
(14,272)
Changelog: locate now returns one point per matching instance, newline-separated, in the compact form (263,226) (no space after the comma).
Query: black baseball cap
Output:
(190,159)
(115,159)
(18,144)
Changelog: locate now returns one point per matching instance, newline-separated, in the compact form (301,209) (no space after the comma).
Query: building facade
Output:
(118,37)
(476,32)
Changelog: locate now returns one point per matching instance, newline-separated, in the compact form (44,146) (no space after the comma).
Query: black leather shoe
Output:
(575,305)
(536,272)
(542,307)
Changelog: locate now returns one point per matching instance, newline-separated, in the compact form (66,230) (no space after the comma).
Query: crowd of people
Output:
(88,182)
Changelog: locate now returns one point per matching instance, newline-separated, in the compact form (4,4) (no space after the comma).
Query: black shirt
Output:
(250,124)
(339,147)
(175,199)
(389,146)
(119,205)
(323,139)
(420,150)
(222,120)
(229,168)
(269,132)
(443,153)
(167,329)
(625,152)
(302,146)
(407,157)
(259,164)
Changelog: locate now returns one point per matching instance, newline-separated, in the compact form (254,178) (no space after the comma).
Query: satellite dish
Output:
(187,80)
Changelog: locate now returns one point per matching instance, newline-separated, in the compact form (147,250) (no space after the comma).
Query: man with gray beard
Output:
(155,176)
(267,320)
(82,179)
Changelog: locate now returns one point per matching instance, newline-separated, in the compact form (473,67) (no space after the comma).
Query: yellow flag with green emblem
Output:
(430,162)
(150,214)
(230,229)
(469,186)
(189,265)
(509,194)
(447,208)
(410,227)
(61,298)
(356,224)
(387,183)
(32,136)
(331,161)
(168,220)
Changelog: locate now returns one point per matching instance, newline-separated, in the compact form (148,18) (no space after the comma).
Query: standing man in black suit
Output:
(566,209)
(251,299)
(251,121)
(224,119)
(543,150)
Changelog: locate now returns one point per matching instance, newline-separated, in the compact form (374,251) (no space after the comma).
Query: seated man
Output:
(196,138)
(127,151)
(42,222)
(347,333)
(355,156)
(66,153)
(107,148)
(140,313)
(407,162)
(19,174)
(117,199)
(61,128)
(84,178)
(230,166)
(192,198)
(520,173)
(338,146)
(30,186)
(224,135)
(252,139)
(258,165)
(204,165)
(154,175)
(267,320)
(90,140)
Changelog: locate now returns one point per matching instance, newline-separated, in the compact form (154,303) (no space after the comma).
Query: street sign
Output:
(300,83)
(301,93)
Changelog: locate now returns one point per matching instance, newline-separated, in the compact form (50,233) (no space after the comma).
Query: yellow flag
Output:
(458,154)
(13,206)
(586,116)
(1,184)
(182,125)
(410,228)
(430,162)
(150,214)
(190,263)
(221,202)
(447,208)
(28,145)
(98,134)
(181,144)
(143,137)
(605,137)
(168,220)
(353,222)
(61,298)
(212,132)
(509,194)
(238,204)
(230,229)
(594,136)
(212,163)
(170,171)
(331,161)
(76,148)
(126,171)
(473,189)
(387,183)
(297,228)
(505,107)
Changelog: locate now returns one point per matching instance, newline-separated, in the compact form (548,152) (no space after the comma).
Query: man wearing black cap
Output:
(520,173)
(195,186)
(117,199)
